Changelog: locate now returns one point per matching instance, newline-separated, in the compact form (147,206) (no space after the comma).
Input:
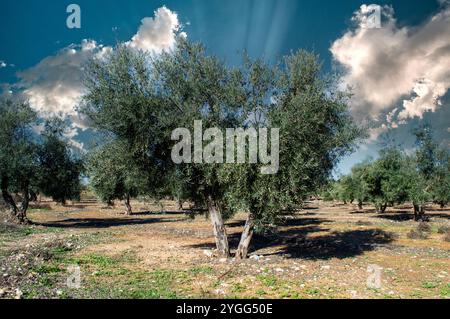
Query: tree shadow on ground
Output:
(296,239)
(102,222)
(363,212)
(295,243)
(336,244)
(401,216)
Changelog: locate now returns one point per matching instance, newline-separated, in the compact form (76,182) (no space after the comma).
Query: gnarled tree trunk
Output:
(220,234)
(129,210)
(419,211)
(360,205)
(23,207)
(7,197)
(17,212)
(246,238)
(178,205)
(381,209)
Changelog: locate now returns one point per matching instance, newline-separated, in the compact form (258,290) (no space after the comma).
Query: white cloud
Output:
(54,86)
(396,66)
(3,64)
(157,33)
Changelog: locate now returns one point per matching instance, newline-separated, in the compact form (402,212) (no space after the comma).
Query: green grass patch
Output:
(93,259)
(429,285)
(445,291)
(268,280)
(201,270)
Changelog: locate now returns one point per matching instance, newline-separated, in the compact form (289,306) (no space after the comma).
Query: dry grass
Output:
(321,252)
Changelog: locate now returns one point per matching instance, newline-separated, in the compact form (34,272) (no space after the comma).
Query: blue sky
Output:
(35,30)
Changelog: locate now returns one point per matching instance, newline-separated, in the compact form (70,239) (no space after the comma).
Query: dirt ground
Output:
(324,251)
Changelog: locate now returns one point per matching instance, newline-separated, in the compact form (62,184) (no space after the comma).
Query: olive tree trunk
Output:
(23,208)
(381,208)
(129,210)
(220,233)
(9,200)
(246,238)
(419,211)
(178,205)
(17,212)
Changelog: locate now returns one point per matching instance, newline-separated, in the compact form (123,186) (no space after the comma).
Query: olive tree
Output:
(440,182)
(113,174)
(18,156)
(59,167)
(315,130)
(199,87)
(149,100)
(433,163)
(353,187)
(32,163)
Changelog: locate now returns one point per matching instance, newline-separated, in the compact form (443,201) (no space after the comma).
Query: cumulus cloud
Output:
(157,33)
(393,66)
(54,86)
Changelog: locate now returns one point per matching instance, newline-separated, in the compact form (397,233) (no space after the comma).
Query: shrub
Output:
(447,236)
(417,234)
(424,227)
(443,229)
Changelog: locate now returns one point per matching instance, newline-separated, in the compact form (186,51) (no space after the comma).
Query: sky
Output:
(399,73)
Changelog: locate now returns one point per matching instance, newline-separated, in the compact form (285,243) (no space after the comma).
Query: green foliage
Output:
(18,163)
(394,179)
(121,101)
(57,165)
(113,172)
(397,178)
(315,131)
(32,163)
(140,99)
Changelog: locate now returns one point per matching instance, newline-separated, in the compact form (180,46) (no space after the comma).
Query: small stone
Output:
(19,294)
(208,253)
(325,267)
(220,291)
(279,270)
(222,260)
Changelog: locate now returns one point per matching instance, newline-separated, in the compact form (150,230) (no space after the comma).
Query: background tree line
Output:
(35,158)
(397,177)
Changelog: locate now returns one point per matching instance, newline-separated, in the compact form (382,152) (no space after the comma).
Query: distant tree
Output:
(426,151)
(394,179)
(32,163)
(123,104)
(383,180)
(440,182)
(114,175)
(59,169)
(353,187)
(433,163)
(18,156)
